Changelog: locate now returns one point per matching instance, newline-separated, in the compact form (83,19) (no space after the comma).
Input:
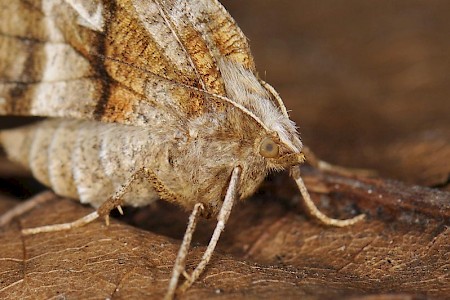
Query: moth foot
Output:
(312,208)
(107,220)
(63,226)
(341,223)
(109,205)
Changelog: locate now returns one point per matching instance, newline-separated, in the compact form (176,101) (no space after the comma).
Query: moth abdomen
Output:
(80,159)
(35,147)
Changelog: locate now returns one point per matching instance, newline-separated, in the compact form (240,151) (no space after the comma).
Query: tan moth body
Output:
(189,85)
(83,159)
(146,100)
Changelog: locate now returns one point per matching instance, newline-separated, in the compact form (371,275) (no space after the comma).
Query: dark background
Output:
(367,82)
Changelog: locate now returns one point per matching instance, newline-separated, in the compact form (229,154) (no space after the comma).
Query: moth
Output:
(146,100)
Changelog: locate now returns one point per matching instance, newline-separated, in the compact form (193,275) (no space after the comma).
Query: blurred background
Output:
(367,82)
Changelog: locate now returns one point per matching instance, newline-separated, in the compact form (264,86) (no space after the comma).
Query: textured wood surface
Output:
(269,249)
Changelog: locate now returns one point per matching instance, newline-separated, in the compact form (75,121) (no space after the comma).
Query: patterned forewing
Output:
(40,73)
(122,61)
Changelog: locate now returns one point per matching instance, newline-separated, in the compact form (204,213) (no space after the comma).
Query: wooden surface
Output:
(269,249)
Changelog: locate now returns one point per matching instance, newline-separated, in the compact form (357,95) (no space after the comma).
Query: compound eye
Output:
(268,148)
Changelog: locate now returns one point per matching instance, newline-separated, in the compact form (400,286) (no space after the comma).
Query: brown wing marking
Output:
(221,32)
(121,71)
(23,19)
(127,53)
(39,73)
(21,51)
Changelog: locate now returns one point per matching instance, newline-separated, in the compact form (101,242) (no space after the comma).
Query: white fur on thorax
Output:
(243,87)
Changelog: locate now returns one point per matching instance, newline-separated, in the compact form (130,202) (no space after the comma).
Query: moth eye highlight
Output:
(269,148)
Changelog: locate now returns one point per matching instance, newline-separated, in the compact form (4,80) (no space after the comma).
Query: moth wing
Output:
(115,61)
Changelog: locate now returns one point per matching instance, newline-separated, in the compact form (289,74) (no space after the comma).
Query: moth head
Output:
(268,148)
(278,155)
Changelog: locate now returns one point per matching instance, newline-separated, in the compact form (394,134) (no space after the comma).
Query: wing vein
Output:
(181,84)
(172,29)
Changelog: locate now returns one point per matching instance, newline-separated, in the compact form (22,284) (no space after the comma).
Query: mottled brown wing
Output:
(114,61)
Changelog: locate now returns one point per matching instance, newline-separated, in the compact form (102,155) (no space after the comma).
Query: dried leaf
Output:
(273,251)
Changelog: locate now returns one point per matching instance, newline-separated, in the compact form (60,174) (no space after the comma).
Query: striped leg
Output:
(103,211)
(222,218)
(313,210)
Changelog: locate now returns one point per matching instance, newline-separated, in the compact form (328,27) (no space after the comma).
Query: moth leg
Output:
(316,162)
(25,207)
(103,211)
(116,201)
(180,261)
(312,208)
(222,218)
(63,226)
